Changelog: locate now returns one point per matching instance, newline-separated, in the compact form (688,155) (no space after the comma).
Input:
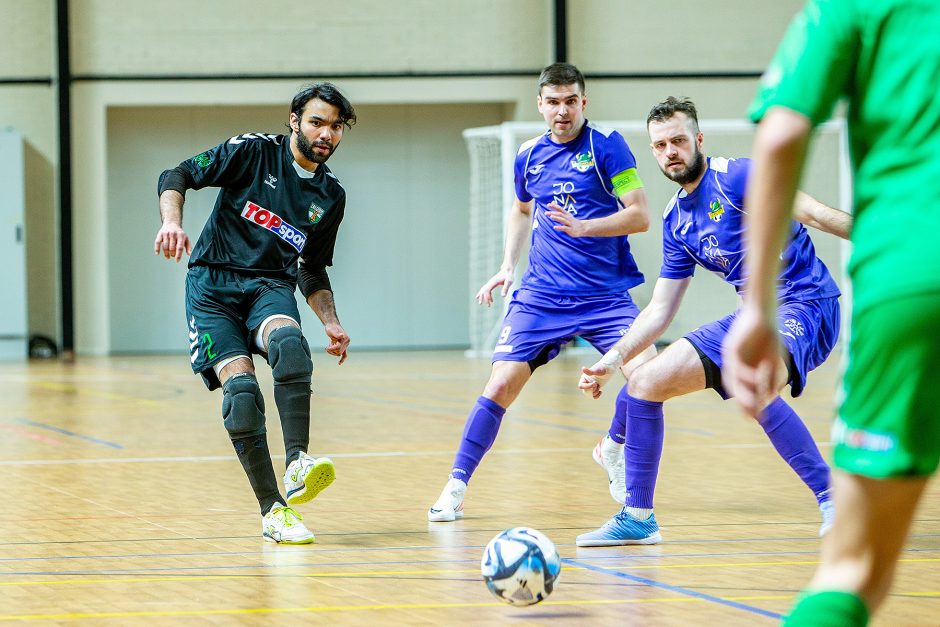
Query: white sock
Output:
(639,513)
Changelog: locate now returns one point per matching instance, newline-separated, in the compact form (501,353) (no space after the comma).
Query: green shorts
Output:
(889,422)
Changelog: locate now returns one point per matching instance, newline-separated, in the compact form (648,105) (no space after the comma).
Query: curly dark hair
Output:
(328,93)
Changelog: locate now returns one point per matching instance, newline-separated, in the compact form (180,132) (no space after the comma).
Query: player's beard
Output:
(306,148)
(691,172)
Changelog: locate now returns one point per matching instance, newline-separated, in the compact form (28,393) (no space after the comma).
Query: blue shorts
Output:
(808,330)
(537,325)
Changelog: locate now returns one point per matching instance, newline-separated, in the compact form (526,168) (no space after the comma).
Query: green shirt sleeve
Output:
(816,58)
(626,181)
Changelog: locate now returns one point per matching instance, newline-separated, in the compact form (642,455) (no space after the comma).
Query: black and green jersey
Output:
(269,211)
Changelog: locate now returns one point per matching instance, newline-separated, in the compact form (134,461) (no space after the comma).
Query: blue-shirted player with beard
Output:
(703,225)
(578,191)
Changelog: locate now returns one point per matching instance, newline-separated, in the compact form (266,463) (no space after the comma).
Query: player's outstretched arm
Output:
(633,218)
(751,350)
(322,304)
(646,329)
(171,239)
(519,223)
(809,211)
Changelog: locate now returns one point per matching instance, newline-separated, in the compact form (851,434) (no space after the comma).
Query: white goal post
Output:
(492,150)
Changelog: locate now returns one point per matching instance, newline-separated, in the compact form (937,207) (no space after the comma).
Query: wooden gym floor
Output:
(125,504)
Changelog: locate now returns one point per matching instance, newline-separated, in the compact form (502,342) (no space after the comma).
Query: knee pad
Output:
(289,356)
(242,406)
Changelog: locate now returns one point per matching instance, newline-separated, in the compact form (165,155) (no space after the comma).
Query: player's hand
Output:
(485,294)
(171,241)
(594,378)
(751,354)
(566,223)
(339,341)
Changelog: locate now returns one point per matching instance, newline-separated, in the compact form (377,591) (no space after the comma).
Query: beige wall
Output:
(680,36)
(112,39)
(250,37)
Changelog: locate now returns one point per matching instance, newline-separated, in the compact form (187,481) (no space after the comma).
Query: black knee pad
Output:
(242,406)
(289,356)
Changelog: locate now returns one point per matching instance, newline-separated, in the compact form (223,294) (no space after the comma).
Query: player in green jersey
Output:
(883,56)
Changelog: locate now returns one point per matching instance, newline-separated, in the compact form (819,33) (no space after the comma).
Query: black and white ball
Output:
(520,566)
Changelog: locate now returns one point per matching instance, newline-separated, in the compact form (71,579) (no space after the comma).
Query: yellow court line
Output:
(89,391)
(347,608)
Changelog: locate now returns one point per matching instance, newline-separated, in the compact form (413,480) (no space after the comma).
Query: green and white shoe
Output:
(306,477)
(284,526)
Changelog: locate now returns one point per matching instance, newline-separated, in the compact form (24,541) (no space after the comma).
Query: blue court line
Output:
(32,423)
(676,589)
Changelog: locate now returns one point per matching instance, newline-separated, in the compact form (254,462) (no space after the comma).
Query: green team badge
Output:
(315,213)
(716,210)
(203,160)
(583,162)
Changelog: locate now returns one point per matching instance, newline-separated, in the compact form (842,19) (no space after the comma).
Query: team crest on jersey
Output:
(717,210)
(204,160)
(583,162)
(315,213)
(269,220)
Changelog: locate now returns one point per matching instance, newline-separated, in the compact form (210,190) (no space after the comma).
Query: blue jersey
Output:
(583,176)
(706,228)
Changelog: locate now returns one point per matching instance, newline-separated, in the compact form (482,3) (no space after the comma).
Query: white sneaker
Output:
(609,455)
(283,525)
(828,510)
(306,477)
(449,505)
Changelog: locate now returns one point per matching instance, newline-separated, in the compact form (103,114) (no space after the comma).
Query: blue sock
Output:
(643,450)
(618,424)
(478,436)
(795,445)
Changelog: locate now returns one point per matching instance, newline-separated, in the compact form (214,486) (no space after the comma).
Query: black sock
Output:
(256,460)
(293,407)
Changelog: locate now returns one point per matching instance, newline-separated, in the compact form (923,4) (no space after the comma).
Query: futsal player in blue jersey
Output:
(703,226)
(578,193)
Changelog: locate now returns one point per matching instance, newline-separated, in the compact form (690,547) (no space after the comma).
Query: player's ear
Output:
(294,122)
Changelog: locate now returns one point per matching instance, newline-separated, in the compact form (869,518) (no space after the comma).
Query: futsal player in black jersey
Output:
(273,226)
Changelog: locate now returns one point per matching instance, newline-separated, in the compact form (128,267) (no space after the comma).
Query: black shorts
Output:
(222,310)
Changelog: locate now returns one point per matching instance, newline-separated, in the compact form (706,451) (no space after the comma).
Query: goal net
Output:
(492,150)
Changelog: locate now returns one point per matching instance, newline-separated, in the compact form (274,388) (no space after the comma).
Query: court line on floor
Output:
(677,589)
(374,454)
(351,608)
(72,434)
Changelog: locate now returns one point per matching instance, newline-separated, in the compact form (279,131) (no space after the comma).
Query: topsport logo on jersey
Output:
(274,223)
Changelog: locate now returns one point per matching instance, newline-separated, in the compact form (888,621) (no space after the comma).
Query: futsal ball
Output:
(520,566)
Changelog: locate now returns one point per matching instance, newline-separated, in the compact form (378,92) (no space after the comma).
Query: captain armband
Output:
(626,181)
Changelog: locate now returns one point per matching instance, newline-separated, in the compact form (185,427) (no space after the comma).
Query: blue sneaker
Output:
(623,529)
